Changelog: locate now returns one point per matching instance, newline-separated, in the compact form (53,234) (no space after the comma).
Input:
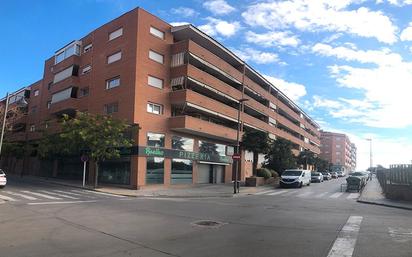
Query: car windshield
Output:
(292,173)
(358,173)
(315,174)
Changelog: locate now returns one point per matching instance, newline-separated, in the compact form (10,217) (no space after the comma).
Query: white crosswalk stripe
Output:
(75,194)
(306,194)
(99,193)
(263,192)
(60,194)
(321,195)
(336,195)
(42,195)
(28,197)
(6,198)
(353,196)
(278,192)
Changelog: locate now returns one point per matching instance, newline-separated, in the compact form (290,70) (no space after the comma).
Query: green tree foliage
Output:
(321,164)
(257,142)
(306,157)
(280,156)
(102,137)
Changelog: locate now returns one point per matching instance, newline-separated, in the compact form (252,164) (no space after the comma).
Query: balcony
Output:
(195,126)
(68,106)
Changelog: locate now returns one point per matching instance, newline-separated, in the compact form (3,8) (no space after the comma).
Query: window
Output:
(156,57)
(114,57)
(212,148)
(32,128)
(157,33)
(155,139)
(36,92)
(113,82)
(87,48)
(272,122)
(49,85)
(182,171)
(154,108)
(182,143)
(84,92)
(34,109)
(48,105)
(111,108)
(63,95)
(338,146)
(154,82)
(272,106)
(66,52)
(115,34)
(86,69)
(338,153)
(66,73)
(154,170)
(46,125)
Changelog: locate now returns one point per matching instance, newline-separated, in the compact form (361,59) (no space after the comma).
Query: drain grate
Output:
(208,224)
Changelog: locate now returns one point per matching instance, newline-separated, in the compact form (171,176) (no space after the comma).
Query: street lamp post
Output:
(237,152)
(3,127)
(370,152)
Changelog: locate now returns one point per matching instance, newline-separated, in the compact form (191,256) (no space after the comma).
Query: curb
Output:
(384,204)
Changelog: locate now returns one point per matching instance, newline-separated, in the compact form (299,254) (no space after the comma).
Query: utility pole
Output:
(237,153)
(370,151)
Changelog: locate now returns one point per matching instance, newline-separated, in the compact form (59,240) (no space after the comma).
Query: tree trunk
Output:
(255,163)
(96,174)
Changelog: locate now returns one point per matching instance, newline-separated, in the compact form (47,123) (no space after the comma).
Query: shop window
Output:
(155,139)
(154,170)
(182,171)
(182,143)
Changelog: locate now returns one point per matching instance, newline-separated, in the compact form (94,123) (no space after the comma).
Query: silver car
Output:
(3,179)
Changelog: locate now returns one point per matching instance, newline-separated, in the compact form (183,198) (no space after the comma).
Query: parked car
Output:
(326,175)
(334,174)
(340,173)
(316,177)
(3,179)
(295,178)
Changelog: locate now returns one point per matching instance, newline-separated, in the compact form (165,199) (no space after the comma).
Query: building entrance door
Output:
(218,174)
(203,173)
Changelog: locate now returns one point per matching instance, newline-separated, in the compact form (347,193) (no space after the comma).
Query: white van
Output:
(295,177)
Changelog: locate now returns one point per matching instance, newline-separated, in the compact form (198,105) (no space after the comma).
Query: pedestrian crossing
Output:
(54,196)
(308,194)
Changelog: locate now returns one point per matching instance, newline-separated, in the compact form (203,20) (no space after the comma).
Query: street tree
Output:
(102,136)
(322,164)
(306,158)
(280,156)
(257,142)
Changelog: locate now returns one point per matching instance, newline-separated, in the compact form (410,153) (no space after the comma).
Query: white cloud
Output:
(322,15)
(292,90)
(406,34)
(381,57)
(396,2)
(179,23)
(218,7)
(184,12)
(220,27)
(256,56)
(273,38)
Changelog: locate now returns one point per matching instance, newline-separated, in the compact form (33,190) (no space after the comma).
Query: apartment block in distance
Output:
(178,85)
(337,149)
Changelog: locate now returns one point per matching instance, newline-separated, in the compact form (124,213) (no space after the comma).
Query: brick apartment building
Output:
(337,149)
(180,86)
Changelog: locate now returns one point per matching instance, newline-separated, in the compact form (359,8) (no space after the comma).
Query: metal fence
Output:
(399,174)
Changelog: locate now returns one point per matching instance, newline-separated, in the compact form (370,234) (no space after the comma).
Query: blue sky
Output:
(347,63)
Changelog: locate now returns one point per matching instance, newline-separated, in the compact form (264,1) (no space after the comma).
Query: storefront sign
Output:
(169,153)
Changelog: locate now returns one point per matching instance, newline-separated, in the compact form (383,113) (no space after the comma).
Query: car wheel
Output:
(301,184)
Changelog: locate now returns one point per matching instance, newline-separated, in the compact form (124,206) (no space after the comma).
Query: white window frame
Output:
(87,48)
(112,79)
(112,105)
(86,69)
(64,54)
(157,32)
(32,128)
(114,57)
(116,33)
(155,56)
(36,92)
(151,108)
(155,82)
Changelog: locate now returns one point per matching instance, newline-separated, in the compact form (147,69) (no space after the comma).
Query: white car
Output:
(3,179)
(295,177)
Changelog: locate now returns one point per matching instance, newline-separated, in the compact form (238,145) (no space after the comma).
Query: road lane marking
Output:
(291,192)
(59,194)
(400,235)
(346,240)
(74,194)
(6,198)
(353,196)
(65,202)
(278,192)
(336,195)
(42,195)
(99,193)
(321,195)
(305,194)
(28,197)
(263,192)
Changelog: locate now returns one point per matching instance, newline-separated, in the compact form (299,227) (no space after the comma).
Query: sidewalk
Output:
(372,194)
(177,191)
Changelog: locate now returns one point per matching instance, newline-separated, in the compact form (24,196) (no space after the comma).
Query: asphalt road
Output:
(313,221)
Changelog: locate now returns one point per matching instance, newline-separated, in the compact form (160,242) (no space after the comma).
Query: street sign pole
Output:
(84,173)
